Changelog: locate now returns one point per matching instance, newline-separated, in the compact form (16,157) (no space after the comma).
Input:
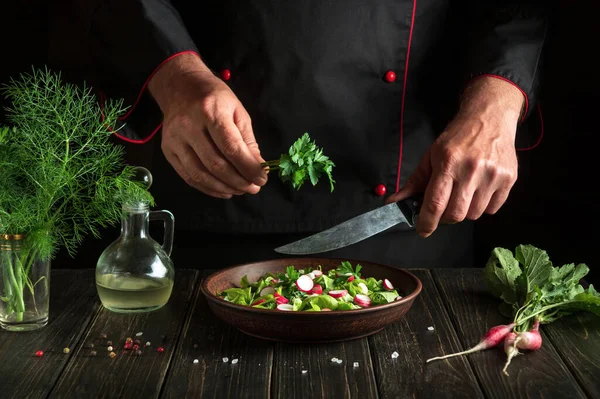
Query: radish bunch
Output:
(528,340)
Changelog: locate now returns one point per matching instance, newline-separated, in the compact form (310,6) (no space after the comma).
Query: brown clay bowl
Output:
(309,327)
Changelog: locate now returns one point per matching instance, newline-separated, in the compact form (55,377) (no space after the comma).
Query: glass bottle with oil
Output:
(135,273)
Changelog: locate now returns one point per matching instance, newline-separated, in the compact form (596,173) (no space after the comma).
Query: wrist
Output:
(490,97)
(170,85)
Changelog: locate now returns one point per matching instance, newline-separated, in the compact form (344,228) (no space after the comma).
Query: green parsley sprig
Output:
(303,161)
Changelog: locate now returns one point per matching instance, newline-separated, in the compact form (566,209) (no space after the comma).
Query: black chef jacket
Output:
(373,82)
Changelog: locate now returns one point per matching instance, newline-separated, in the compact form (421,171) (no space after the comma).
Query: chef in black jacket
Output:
(403,96)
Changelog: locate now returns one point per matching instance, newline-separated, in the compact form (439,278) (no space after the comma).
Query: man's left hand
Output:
(472,166)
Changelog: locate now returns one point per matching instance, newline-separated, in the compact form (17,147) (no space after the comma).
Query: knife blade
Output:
(357,229)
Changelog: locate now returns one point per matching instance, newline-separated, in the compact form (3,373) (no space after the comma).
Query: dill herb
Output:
(62,177)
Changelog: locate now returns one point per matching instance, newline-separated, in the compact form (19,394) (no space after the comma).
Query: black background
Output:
(554,204)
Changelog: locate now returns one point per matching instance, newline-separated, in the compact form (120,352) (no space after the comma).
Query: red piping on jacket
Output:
(102,97)
(412,24)
(539,140)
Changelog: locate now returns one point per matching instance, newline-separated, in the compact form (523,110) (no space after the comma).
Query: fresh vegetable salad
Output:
(343,288)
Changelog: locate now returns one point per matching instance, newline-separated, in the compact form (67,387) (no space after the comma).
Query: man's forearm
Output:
(490,97)
(168,85)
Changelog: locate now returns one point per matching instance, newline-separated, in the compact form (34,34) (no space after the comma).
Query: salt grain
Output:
(430,328)
(395,355)
(196,361)
(225,359)
(110,348)
(304,371)
(355,364)
(139,334)
(148,343)
(234,361)
(334,359)
(339,361)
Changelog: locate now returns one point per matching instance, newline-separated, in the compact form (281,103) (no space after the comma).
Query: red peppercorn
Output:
(39,353)
(136,347)
(161,349)
(127,346)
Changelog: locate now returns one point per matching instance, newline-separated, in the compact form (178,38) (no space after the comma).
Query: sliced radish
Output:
(363,288)
(274,281)
(338,293)
(351,278)
(280,298)
(285,306)
(387,285)
(362,300)
(398,297)
(267,291)
(304,283)
(317,289)
(311,275)
(325,310)
(258,302)
(317,273)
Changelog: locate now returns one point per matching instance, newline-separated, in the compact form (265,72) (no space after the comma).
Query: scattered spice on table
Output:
(66,350)
(225,359)
(110,348)
(160,349)
(92,345)
(395,355)
(234,361)
(104,336)
(136,347)
(137,342)
(355,364)
(304,371)
(39,353)
(139,334)
(112,355)
(93,353)
(196,361)
(138,352)
(129,339)
(430,328)
(109,343)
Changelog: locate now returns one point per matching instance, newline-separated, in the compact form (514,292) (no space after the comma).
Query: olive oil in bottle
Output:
(125,294)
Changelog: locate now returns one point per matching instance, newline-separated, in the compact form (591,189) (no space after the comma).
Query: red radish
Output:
(387,285)
(304,283)
(362,300)
(317,289)
(338,293)
(258,302)
(510,349)
(280,298)
(363,288)
(326,310)
(530,340)
(351,278)
(317,273)
(491,338)
(267,291)
(285,306)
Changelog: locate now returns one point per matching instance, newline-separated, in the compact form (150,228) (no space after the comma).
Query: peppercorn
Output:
(109,343)
(66,350)
(138,352)
(112,355)
(148,343)
(137,342)
(160,349)
(104,336)
(93,353)
(39,353)
(110,348)
(136,347)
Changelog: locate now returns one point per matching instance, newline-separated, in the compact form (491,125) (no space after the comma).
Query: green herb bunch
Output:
(303,161)
(62,177)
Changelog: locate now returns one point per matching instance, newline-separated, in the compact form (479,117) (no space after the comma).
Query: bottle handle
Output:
(169,225)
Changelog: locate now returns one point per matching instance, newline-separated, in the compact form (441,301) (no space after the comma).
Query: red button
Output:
(225,74)
(380,190)
(390,76)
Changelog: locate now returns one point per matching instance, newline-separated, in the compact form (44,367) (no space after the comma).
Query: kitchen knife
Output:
(357,229)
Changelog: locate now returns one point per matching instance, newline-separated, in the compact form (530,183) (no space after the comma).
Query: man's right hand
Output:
(207,134)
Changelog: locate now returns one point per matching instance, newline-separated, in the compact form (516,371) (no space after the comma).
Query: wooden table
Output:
(454,302)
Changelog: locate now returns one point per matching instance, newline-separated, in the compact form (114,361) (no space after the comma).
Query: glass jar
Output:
(24,286)
(135,273)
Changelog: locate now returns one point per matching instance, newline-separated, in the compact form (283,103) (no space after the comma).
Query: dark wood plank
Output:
(408,375)
(577,340)
(537,374)
(73,303)
(128,375)
(211,377)
(323,378)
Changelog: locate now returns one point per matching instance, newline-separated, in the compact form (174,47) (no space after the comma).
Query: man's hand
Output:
(207,134)
(472,166)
